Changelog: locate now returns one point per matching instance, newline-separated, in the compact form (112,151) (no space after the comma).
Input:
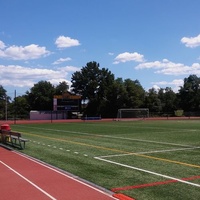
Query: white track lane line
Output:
(68,176)
(34,185)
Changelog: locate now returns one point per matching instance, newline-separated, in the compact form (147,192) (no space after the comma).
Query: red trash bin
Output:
(4,127)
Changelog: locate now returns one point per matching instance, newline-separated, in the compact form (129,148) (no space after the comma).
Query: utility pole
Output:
(15,109)
(6,108)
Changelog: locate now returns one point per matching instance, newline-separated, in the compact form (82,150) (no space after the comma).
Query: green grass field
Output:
(147,160)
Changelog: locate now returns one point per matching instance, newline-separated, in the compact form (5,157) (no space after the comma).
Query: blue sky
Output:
(154,41)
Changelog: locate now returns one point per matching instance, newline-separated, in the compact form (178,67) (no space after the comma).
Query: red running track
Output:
(24,178)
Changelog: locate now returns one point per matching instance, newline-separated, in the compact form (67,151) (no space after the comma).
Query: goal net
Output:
(130,114)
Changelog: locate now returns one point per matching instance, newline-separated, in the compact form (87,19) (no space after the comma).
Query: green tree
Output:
(93,84)
(189,94)
(119,93)
(40,96)
(20,108)
(152,101)
(114,99)
(61,88)
(168,99)
(4,99)
(134,94)
(86,81)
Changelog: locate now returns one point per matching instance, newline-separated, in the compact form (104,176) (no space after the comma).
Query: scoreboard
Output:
(67,102)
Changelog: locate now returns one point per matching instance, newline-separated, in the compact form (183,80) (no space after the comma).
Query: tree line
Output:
(103,94)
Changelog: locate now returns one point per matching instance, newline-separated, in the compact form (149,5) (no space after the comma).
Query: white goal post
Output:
(132,113)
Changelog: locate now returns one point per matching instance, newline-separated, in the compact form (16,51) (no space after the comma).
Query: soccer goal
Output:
(131,114)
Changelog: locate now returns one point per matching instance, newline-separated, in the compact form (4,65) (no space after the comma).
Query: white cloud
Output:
(175,84)
(70,69)
(156,87)
(18,76)
(61,60)
(2,45)
(110,54)
(169,68)
(65,42)
(126,56)
(191,41)
(57,81)
(32,51)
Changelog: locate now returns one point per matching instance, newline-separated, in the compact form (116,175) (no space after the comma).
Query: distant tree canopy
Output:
(61,88)
(104,94)
(2,102)
(40,96)
(189,94)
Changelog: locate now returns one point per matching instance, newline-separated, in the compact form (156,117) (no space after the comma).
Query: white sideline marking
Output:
(149,172)
(34,185)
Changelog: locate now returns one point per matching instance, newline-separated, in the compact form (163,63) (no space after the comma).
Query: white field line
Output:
(160,151)
(147,141)
(154,128)
(147,171)
(149,152)
(34,185)
(116,137)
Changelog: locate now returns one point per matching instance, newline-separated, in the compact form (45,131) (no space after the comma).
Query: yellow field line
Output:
(79,143)
(116,150)
(171,161)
